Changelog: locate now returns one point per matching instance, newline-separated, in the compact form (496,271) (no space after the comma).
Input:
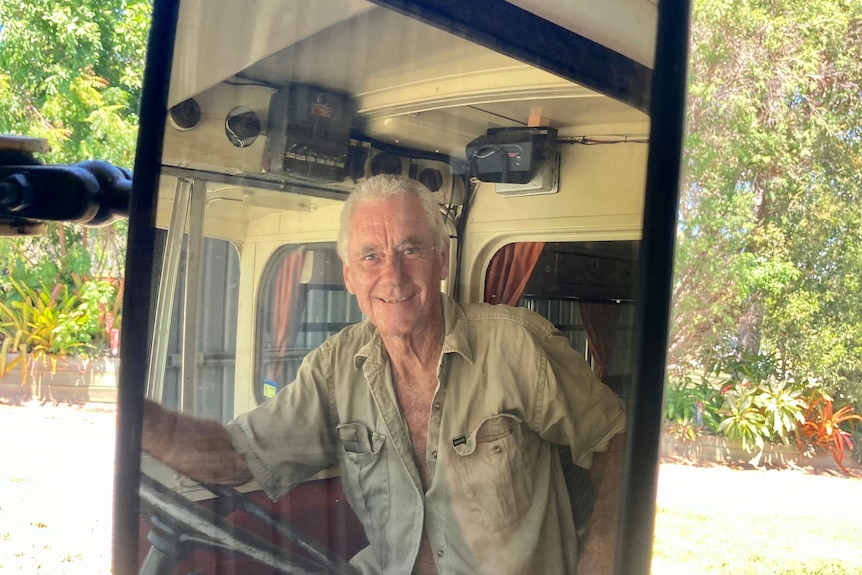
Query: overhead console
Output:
(302,137)
(308,133)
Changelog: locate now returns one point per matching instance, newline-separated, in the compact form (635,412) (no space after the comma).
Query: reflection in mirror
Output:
(373,411)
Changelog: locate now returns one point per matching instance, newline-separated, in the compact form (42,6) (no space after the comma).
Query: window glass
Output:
(506,121)
(216,340)
(302,302)
(584,288)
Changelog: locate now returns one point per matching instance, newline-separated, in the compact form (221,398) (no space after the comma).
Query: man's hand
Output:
(198,448)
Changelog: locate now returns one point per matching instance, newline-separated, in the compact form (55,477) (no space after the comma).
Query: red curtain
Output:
(600,322)
(287,306)
(510,270)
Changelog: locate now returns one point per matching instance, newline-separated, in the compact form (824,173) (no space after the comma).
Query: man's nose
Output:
(393,268)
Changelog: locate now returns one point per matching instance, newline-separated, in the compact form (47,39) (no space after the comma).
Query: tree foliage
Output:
(71,73)
(770,229)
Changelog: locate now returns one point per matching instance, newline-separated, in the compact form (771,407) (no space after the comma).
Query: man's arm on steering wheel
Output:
(198,448)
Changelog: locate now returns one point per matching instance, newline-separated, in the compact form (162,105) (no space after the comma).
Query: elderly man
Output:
(444,418)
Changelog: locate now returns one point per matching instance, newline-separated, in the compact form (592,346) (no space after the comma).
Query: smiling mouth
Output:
(394,300)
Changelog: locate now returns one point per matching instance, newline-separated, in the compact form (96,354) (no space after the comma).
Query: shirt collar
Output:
(456,340)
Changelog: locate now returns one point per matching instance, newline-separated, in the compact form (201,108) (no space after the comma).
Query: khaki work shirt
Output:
(510,387)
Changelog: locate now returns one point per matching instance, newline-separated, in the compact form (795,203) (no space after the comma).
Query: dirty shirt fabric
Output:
(510,387)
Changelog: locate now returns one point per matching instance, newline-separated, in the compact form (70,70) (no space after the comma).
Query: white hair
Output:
(384,186)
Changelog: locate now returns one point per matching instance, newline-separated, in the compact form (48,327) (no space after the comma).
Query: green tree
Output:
(770,228)
(71,73)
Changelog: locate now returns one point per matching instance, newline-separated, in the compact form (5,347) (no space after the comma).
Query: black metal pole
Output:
(137,299)
(655,276)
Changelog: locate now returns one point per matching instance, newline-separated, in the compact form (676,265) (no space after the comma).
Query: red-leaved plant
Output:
(822,427)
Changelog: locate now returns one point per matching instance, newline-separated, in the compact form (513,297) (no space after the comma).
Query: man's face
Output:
(392,267)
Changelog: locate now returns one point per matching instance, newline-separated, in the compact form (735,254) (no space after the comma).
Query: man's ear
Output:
(347,283)
(444,263)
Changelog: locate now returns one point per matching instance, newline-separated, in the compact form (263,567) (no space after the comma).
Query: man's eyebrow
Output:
(411,241)
(366,249)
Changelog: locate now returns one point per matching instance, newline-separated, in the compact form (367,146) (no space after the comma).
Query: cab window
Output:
(302,301)
(216,332)
(586,289)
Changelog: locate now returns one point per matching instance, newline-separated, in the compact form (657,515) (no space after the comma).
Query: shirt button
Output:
(437,405)
(440,553)
(498,449)
(434,454)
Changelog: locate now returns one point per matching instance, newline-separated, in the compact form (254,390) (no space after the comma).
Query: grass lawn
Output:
(744,522)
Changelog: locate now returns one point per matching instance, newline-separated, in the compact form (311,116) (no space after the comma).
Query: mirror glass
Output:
(526,123)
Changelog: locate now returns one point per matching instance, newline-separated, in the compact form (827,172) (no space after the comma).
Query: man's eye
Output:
(409,251)
(369,257)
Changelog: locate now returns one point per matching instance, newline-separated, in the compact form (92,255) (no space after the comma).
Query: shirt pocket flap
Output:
(357,438)
(489,430)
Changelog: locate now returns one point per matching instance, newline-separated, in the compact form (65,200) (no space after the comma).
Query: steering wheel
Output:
(178,522)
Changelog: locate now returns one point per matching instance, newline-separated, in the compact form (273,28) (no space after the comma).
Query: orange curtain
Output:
(510,270)
(600,322)
(287,310)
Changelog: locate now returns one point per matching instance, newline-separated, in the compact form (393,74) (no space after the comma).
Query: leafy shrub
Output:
(744,421)
(782,404)
(757,404)
(692,402)
(766,411)
(38,325)
(43,324)
(684,430)
(825,429)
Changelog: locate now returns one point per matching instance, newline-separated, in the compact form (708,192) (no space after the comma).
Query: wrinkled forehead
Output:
(400,215)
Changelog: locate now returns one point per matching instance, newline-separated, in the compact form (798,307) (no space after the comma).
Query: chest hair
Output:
(415,392)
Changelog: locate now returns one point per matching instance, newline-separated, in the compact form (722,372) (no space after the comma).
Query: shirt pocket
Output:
(491,469)
(366,480)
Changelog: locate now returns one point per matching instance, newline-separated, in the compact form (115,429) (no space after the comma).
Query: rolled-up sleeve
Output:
(288,439)
(573,407)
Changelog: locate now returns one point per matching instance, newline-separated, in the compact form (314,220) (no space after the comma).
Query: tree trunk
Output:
(749,326)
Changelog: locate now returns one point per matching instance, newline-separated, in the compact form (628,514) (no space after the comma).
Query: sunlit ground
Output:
(56,474)
(56,481)
(716,520)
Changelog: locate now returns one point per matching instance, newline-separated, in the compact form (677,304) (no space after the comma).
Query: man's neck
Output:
(417,351)
(414,352)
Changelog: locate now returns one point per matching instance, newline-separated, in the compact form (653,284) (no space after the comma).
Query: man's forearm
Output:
(198,448)
(599,543)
